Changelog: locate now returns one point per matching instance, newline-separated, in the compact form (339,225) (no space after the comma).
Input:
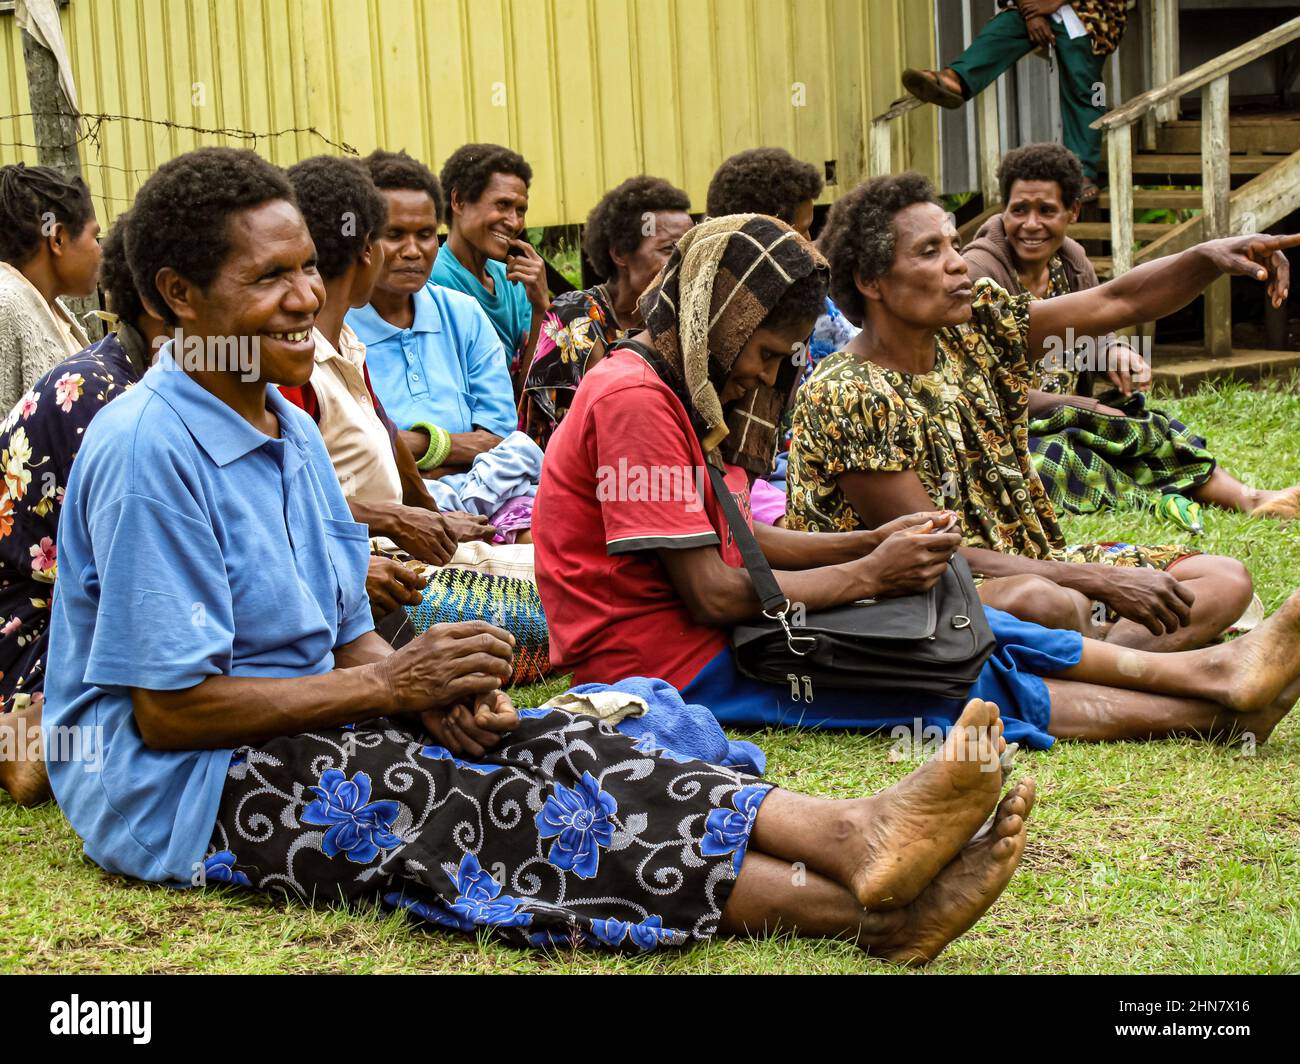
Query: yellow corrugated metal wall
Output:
(590,91)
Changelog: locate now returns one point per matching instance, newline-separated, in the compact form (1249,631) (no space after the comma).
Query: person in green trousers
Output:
(1081,34)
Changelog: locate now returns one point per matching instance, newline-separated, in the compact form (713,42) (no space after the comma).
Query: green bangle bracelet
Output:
(439,446)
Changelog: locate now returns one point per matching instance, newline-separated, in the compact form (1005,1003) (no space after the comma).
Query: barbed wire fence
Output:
(89,132)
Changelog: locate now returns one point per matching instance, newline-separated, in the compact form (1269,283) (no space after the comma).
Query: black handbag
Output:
(935,643)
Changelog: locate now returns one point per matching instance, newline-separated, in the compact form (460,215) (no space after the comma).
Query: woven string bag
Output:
(507,602)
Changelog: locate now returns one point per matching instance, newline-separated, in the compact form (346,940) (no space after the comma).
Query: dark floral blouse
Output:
(962,428)
(39,439)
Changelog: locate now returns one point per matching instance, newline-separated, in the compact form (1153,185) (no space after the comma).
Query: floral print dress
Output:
(576,323)
(568,834)
(961,428)
(39,438)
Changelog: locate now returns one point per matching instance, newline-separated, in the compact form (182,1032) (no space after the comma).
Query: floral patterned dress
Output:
(39,439)
(576,323)
(568,834)
(961,428)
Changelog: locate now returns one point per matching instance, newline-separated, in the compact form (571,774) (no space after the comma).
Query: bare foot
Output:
(960,894)
(23,775)
(1280,504)
(906,834)
(1251,674)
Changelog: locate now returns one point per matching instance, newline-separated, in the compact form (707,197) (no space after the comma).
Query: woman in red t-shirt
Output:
(640,577)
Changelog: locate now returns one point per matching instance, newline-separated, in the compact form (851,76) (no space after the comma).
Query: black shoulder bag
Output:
(935,643)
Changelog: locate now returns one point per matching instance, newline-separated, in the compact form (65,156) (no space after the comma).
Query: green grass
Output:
(1144,857)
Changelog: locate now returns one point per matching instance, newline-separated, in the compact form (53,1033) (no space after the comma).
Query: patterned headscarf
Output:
(723,280)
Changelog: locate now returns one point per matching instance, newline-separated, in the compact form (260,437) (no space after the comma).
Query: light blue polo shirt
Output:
(447,369)
(506,305)
(190,545)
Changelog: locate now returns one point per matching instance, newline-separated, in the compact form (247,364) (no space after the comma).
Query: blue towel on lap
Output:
(680,727)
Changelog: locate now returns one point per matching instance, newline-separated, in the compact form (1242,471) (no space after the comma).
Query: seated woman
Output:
(38,264)
(771,181)
(378,475)
(39,440)
(928,406)
(485,255)
(627,239)
(254,731)
(1093,455)
(640,575)
(436,361)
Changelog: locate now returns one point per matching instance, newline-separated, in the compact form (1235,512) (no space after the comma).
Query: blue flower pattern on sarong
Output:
(359,828)
(581,818)
(441,753)
(220,868)
(728,830)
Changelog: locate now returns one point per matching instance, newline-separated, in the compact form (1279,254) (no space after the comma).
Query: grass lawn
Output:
(1143,857)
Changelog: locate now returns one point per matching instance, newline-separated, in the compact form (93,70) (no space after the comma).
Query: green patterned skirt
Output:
(1090,462)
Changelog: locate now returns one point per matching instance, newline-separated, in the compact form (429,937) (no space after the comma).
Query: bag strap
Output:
(770,595)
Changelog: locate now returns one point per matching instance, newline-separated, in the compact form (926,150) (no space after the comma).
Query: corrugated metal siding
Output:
(590,91)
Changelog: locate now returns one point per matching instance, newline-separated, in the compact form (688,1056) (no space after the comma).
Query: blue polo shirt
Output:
(506,306)
(190,545)
(447,369)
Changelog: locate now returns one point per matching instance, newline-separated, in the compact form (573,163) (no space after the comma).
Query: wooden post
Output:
(1164,53)
(1215,190)
(55,125)
(880,149)
(1119,172)
(990,144)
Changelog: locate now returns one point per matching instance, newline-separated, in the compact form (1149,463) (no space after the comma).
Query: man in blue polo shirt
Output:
(436,361)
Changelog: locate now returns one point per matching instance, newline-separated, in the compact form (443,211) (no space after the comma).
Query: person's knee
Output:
(1036,599)
(1233,586)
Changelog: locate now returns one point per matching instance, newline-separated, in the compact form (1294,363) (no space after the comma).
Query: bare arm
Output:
(1149,596)
(1157,289)
(446,665)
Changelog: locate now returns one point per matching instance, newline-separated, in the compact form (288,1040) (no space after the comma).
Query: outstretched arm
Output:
(1157,289)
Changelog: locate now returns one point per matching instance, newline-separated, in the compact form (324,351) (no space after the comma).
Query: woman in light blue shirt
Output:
(219,710)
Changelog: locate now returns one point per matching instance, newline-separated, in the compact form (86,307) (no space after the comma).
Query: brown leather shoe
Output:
(926,85)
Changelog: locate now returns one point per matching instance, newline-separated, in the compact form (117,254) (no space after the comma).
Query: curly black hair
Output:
(181,212)
(397,170)
(115,273)
(471,167)
(342,207)
(27,195)
(618,221)
(763,181)
(1043,162)
(859,236)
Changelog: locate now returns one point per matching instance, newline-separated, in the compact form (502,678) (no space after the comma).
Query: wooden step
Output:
(1174,199)
(1101,230)
(1182,375)
(1162,163)
(1253,133)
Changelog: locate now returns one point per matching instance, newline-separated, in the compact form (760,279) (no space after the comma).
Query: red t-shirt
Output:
(624,476)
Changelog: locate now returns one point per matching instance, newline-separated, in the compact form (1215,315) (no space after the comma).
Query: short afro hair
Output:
(467,173)
(1043,162)
(342,207)
(763,181)
(27,195)
(115,273)
(618,220)
(859,237)
(397,170)
(181,215)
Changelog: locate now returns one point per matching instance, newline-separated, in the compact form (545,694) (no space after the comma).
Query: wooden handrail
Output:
(1200,76)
